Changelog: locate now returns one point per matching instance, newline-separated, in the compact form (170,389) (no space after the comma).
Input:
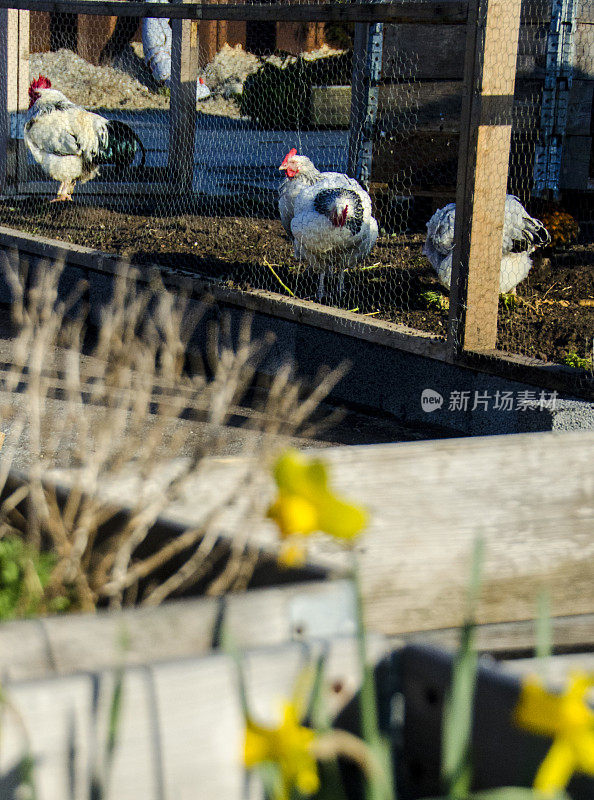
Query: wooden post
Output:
(182,110)
(367,63)
(14,88)
(489,79)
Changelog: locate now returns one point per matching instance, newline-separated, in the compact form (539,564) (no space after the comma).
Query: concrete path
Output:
(231,151)
(236,438)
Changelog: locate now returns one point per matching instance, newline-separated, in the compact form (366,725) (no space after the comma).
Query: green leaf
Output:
(506,793)
(26,769)
(317,712)
(456,768)
(513,793)
(544,633)
(115,712)
(381,787)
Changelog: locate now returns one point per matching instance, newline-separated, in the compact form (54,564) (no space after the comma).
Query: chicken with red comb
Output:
(71,143)
(41,83)
(327,215)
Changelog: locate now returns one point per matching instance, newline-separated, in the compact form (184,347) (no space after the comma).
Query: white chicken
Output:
(70,143)
(521,236)
(328,216)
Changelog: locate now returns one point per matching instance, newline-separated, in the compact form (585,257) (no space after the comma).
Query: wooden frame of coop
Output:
(484,135)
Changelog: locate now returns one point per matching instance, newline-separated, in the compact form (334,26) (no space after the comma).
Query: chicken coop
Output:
(423,104)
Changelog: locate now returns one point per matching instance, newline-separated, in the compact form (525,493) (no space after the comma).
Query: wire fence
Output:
(201,108)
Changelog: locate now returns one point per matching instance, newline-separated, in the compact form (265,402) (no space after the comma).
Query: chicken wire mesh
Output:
(381,102)
(546,283)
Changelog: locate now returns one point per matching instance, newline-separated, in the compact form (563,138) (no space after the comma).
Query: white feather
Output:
(64,138)
(316,239)
(520,231)
(320,242)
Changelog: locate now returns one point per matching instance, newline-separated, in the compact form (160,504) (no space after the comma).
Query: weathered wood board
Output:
(576,169)
(425,64)
(423,53)
(180,629)
(62,645)
(181,727)
(530,496)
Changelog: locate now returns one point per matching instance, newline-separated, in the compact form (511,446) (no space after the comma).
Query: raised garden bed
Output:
(555,315)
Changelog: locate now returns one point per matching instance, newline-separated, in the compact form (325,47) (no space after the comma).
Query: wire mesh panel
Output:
(532,296)
(195,119)
(551,317)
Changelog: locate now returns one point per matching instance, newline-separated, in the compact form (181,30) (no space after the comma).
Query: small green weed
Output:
(572,359)
(24,577)
(510,301)
(435,301)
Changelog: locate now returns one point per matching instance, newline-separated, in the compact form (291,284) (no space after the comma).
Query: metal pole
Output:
(555,98)
(367,68)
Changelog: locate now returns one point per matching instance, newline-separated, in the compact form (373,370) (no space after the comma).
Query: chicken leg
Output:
(65,190)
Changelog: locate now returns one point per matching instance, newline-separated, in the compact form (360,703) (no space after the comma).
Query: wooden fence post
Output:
(14,87)
(367,64)
(483,159)
(182,108)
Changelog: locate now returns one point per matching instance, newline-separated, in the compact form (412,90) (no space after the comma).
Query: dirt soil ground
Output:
(553,316)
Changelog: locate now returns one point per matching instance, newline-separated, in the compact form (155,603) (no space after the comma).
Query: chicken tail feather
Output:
(121,145)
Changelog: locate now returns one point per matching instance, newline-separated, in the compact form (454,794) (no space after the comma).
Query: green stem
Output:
(369,726)
(382,787)
(284,285)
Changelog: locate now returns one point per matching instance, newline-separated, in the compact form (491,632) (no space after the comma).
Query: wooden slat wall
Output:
(531,497)
(432,57)
(577,170)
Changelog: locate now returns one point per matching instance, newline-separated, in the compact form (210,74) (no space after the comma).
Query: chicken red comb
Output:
(41,83)
(289,155)
(201,80)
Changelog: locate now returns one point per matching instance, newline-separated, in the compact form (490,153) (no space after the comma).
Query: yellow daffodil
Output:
(305,504)
(290,747)
(569,720)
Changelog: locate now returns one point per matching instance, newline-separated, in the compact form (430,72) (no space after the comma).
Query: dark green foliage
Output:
(278,98)
(122,145)
(340,34)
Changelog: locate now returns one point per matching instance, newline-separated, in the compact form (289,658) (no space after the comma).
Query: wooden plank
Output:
(182,110)
(482,177)
(423,53)
(422,162)
(575,170)
(67,719)
(180,726)
(579,113)
(34,649)
(584,50)
(63,645)
(14,86)
(428,502)
(434,12)
(437,106)
(513,639)
(359,96)
(427,106)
